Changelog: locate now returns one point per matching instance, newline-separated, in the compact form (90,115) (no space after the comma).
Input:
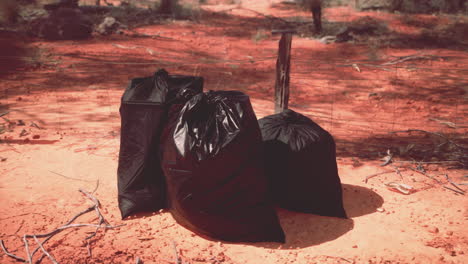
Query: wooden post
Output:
(282,69)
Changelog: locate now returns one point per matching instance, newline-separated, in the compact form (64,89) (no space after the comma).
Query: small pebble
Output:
(355,246)
(433,230)
(449,233)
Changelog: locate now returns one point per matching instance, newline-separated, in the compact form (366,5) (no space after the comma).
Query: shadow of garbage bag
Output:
(213,162)
(359,200)
(143,110)
(304,230)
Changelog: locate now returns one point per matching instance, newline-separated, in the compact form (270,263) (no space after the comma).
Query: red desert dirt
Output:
(396,107)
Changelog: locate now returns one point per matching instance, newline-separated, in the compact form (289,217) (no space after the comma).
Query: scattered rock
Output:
(355,246)
(433,230)
(449,233)
(36,126)
(21,123)
(36,137)
(23,133)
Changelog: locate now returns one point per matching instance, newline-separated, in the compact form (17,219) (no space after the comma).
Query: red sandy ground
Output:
(75,97)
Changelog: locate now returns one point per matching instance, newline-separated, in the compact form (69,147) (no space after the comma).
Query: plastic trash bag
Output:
(301,165)
(213,162)
(143,112)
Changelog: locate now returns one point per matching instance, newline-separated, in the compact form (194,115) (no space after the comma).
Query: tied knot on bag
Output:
(207,123)
(292,125)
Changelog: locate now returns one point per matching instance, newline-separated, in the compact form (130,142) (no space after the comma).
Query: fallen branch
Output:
(26,247)
(447,123)
(102,223)
(425,174)
(454,184)
(397,171)
(45,251)
(453,190)
(347,260)
(407,58)
(376,174)
(9,254)
(70,178)
(4,114)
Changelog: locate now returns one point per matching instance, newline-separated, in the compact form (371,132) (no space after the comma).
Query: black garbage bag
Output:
(143,112)
(213,162)
(301,165)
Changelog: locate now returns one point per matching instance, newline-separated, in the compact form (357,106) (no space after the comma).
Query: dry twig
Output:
(425,174)
(397,171)
(4,114)
(347,260)
(453,190)
(177,259)
(454,184)
(407,58)
(376,174)
(102,223)
(70,178)
(9,254)
(45,251)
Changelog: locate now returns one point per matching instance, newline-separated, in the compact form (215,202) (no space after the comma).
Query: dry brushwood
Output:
(460,190)
(421,171)
(442,147)
(427,132)
(377,174)
(102,223)
(410,57)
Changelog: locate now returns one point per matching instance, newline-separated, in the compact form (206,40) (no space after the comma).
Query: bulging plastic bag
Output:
(300,159)
(213,162)
(143,112)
